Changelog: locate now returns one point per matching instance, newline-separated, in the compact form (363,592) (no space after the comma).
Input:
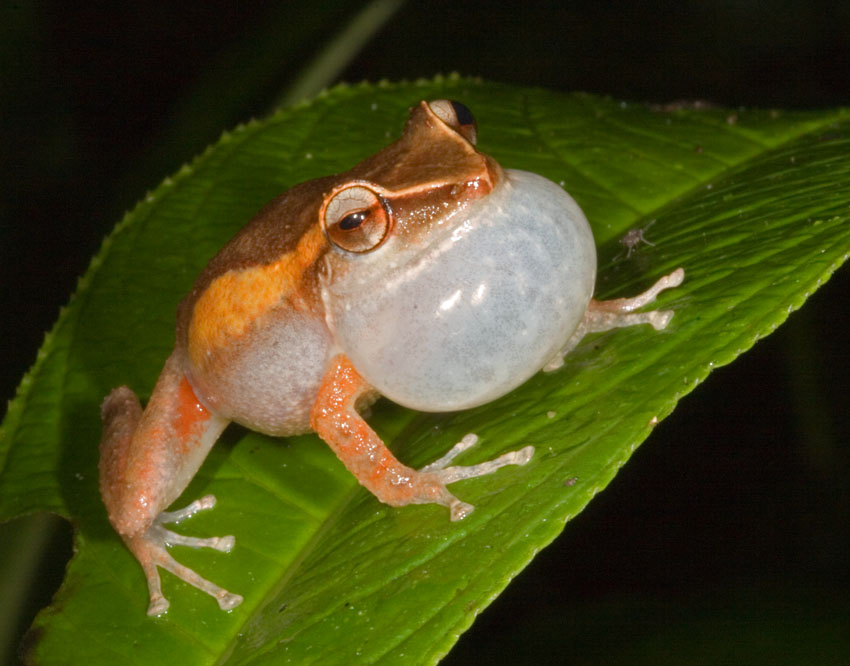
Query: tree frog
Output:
(427,274)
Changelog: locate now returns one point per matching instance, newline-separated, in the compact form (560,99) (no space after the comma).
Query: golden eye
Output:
(457,116)
(356,219)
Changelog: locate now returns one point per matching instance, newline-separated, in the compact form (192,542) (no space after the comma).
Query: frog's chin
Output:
(482,307)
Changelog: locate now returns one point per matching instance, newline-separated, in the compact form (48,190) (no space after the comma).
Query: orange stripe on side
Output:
(190,411)
(235,299)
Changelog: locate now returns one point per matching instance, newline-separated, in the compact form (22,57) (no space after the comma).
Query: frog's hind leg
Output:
(147,458)
(619,313)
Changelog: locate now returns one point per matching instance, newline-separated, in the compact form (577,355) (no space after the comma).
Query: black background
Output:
(732,520)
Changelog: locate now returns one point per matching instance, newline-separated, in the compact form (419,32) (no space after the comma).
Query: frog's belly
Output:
(269,378)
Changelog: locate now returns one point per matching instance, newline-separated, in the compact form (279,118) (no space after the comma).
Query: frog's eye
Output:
(457,116)
(356,219)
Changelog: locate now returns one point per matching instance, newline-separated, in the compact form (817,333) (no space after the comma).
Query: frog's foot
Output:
(150,549)
(619,313)
(440,471)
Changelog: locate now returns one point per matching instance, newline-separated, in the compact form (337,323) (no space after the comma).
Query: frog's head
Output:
(419,182)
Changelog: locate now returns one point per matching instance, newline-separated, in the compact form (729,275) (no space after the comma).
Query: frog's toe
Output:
(460,510)
(205,503)
(660,318)
(467,442)
(222,544)
(450,474)
(229,601)
(158,606)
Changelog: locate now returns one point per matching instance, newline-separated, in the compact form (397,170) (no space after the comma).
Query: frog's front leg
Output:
(146,460)
(334,417)
(619,313)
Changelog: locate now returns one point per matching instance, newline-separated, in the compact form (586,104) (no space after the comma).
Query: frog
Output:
(427,274)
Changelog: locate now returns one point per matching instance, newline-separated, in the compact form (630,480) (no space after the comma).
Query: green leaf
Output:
(753,204)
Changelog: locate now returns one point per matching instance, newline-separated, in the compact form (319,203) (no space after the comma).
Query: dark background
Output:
(728,534)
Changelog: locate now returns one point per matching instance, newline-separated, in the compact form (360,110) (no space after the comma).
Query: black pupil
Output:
(464,115)
(353,220)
